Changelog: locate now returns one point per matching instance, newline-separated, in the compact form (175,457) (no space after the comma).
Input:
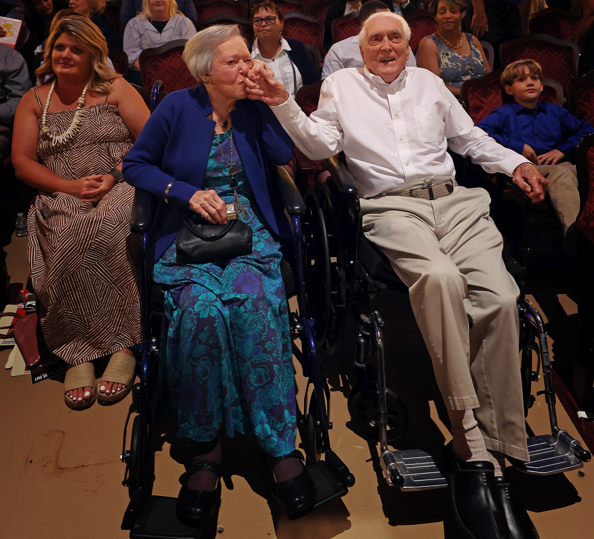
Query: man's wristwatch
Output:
(117,174)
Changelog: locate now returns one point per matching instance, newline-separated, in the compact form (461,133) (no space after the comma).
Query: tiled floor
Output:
(61,475)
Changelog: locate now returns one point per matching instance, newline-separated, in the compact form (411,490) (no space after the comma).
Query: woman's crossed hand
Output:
(209,206)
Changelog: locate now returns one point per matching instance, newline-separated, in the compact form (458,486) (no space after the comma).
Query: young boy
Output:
(544,133)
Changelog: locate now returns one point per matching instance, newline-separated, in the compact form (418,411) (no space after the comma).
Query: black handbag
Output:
(201,242)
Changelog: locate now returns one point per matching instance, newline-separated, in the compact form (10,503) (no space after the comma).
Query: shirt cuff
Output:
(287,110)
(180,194)
(513,162)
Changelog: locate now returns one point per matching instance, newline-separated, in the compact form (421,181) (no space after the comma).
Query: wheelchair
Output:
(346,275)
(152,517)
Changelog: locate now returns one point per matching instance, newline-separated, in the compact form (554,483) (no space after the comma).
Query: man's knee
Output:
(443,278)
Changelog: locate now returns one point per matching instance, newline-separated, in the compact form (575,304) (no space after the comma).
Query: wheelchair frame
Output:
(354,287)
(150,516)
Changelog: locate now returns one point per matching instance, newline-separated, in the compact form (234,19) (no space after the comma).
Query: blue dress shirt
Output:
(548,127)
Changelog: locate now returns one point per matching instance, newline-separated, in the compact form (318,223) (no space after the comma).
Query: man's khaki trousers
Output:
(448,252)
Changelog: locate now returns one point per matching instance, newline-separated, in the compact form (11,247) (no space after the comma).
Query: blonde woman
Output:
(93,10)
(159,23)
(73,132)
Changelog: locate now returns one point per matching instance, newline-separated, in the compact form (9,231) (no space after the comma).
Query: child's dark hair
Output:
(516,68)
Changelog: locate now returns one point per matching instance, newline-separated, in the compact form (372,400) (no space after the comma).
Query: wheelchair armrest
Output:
(289,193)
(143,211)
(342,176)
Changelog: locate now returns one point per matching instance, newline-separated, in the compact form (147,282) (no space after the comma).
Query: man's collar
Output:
(284,47)
(517,108)
(393,86)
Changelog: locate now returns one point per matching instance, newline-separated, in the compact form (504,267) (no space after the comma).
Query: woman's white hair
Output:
(200,50)
(405,27)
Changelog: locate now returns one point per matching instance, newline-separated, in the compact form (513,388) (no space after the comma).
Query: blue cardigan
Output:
(174,145)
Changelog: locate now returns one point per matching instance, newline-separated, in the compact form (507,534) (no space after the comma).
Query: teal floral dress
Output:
(226,360)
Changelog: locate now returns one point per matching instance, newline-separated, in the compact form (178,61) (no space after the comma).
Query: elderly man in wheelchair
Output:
(394,125)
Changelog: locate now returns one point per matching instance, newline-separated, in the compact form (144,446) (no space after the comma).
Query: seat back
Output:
(580,97)
(558,58)
(489,52)
(291,6)
(319,8)
(421,23)
(308,96)
(209,8)
(245,24)
(165,63)
(552,92)
(345,27)
(554,22)
(316,55)
(585,173)
(482,95)
(119,59)
(307,29)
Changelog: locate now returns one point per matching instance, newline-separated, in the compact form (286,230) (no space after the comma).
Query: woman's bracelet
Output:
(167,191)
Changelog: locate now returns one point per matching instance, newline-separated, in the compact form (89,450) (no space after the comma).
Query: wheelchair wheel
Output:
(336,315)
(364,411)
(317,267)
(140,473)
(133,461)
(312,436)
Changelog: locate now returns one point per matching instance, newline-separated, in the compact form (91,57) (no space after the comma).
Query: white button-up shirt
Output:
(392,133)
(284,69)
(346,53)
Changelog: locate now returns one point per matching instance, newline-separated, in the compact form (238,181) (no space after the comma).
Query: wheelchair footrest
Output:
(328,486)
(550,455)
(157,520)
(418,470)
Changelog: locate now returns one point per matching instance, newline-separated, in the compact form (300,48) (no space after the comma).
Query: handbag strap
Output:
(11,326)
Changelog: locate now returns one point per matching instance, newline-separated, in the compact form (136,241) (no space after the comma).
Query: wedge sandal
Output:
(80,376)
(120,370)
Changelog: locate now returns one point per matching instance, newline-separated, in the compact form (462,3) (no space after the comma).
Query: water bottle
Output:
(21,225)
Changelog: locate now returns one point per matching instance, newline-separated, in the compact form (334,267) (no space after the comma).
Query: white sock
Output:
(498,460)
(467,441)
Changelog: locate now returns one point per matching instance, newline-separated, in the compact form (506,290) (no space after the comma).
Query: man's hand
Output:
(530,154)
(261,85)
(479,25)
(209,206)
(529,180)
(94,195)
(550,158)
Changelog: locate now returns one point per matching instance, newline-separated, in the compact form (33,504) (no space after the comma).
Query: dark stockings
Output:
(205,480)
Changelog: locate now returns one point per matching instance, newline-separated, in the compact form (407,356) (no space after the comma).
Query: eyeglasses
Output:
(270,20)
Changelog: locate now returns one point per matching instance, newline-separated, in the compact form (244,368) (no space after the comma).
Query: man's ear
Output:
(508,90)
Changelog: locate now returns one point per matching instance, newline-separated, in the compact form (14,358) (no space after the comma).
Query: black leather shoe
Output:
(518,522)
(297,494)
(197,506)
(475,501)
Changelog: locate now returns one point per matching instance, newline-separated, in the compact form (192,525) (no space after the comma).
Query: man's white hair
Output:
(405,27)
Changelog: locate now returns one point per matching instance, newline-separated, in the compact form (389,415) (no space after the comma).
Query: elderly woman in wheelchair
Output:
(226,360)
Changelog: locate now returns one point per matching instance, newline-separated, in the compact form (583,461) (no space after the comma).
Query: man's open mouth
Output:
(386,60)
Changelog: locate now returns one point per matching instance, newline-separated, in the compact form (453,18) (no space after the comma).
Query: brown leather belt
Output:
(433,192)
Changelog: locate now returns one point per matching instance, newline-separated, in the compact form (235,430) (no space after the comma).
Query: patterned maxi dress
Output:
(454,68)
(226,351)
(82,257)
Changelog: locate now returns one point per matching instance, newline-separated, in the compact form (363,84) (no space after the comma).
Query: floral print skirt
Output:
(226,361)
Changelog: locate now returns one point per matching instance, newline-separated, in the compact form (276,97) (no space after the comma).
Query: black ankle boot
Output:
(197,506)
(519,523)
(297,494)
(476,502)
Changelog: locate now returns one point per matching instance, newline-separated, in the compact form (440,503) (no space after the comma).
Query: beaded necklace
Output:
(74,126)
(448,43)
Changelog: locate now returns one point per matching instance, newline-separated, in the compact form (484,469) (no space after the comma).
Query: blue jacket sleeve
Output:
(572,131)
(493,126)
(277,146)
(142,165)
